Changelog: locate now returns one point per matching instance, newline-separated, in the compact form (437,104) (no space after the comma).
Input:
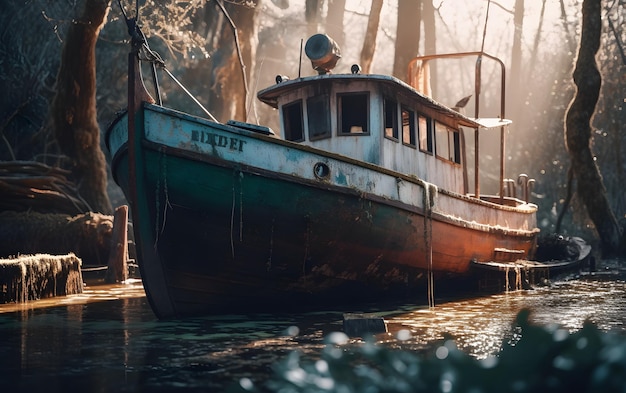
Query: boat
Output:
(557,257)
(365,193)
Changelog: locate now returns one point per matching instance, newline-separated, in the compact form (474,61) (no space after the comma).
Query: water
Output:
(107,339)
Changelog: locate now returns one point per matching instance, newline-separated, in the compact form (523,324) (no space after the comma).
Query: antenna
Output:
(300,61)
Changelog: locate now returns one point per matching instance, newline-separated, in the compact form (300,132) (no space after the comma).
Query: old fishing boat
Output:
(364,191)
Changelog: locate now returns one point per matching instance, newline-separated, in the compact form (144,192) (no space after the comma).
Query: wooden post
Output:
(117,269)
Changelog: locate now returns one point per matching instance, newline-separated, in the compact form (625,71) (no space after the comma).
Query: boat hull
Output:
(243,220)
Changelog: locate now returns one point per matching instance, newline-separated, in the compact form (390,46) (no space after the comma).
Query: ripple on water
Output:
(480,325)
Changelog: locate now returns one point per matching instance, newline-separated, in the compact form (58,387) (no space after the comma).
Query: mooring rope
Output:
(430,193)
(166,204)
(232,222)
(239,174)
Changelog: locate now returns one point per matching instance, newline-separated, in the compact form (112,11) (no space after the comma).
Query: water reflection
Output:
(479,325)
(118,345)
(108,338)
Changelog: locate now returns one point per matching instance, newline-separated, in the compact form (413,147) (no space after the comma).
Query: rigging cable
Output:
(482,45)
(154,58)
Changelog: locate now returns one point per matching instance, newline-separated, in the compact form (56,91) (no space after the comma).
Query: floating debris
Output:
(362,325)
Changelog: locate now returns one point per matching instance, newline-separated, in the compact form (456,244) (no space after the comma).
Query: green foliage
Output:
(534,359)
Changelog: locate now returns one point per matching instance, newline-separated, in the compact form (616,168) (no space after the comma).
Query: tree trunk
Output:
(513,87)
(73,109)
(228,91)
(334,21)
(369,43)
(430,40)
(587,78)
(569,37)
(535,49)
(407,36)
(312,10)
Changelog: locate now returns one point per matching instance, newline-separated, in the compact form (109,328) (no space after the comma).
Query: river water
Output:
(107,338)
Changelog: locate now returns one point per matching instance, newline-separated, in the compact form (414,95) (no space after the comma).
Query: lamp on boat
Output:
(323,52)
(355,69)
(281,78)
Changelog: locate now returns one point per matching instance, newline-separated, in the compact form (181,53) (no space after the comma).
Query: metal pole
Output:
(477,83)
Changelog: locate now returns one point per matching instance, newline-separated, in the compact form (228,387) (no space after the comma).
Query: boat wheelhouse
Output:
(382,120)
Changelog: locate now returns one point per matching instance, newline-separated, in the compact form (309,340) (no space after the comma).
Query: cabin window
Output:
(292,120)
(425,131)
(353,113)
(408,127)
(318,117)
(448,143)
(391,118)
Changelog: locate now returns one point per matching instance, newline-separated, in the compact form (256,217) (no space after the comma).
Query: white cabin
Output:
(377,119)
(381,120)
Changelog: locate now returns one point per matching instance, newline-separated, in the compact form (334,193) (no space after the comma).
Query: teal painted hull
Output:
(223,229)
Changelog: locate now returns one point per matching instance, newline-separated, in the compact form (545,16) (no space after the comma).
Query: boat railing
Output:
(418,76)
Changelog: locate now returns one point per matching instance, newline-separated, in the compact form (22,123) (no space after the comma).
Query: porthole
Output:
(321,171)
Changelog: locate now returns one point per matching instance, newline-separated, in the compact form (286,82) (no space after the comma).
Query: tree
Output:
(515,73)
(407,35)
(590,187)
(233,30)
(430,39)
(312,15)
(369,43)
(334,21)
(30,54)
(73,109)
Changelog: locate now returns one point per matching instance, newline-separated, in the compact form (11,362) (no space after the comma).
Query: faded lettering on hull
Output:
(217,140)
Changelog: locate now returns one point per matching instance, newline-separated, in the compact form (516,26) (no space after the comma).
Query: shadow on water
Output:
(108,339)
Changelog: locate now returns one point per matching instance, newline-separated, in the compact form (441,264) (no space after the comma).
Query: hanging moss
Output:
(39,276)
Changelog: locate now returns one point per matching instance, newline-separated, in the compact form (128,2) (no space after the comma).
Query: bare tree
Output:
(515,74)
(334,21)
(312,13)
(232,31)
(430,39)
(590,187)
(569,38)
(407,35)
(73,109)
(369,43)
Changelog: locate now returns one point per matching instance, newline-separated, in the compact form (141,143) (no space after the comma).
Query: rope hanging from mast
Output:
(131,23)
(140,44)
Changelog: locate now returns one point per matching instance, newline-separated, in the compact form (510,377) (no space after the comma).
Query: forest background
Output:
(537,40)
